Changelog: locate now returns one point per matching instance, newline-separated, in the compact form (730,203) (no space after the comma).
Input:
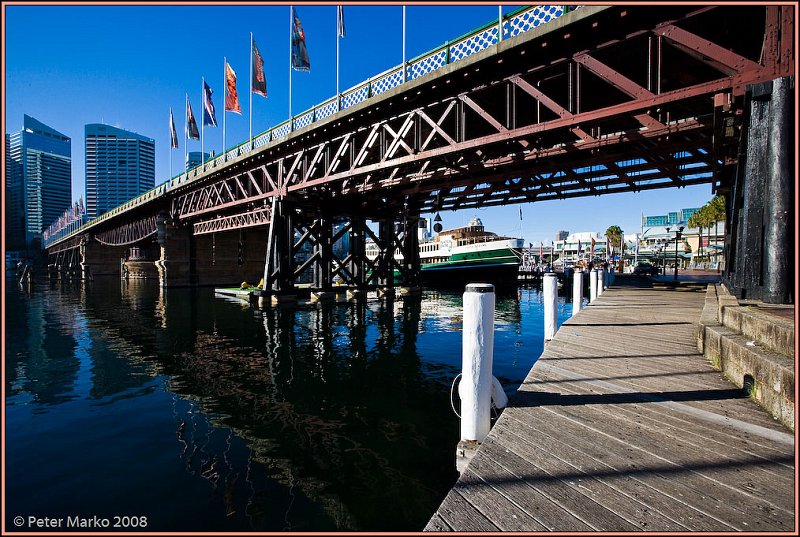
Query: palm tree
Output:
(709,214)
(697,220)
(614,236)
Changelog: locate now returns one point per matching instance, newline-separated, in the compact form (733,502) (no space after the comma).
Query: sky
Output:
(127,65)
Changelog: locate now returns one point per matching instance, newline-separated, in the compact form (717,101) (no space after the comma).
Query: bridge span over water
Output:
(592,101)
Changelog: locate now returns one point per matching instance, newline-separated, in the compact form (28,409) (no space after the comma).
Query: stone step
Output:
(768,376)
(766,330)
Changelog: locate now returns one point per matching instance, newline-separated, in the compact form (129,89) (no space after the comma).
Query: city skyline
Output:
(129,88)
(37,181)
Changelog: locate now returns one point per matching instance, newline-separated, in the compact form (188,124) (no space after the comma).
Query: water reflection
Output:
(334,417)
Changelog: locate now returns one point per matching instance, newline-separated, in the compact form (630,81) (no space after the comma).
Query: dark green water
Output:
(200,413)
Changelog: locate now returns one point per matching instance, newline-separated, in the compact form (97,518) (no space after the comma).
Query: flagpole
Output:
(337,57)
(291,29)
(171,121)
(186,137)
(224,101)
(404,44)
(251,91)
(499,23)
(203,124)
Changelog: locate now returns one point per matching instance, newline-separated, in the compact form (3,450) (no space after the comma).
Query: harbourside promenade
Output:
(622,425)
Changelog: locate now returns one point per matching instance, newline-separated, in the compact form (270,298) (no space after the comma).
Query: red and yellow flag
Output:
(231,97)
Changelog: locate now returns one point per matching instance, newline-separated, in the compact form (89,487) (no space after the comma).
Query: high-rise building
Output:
(38,182)
(561,235)
(669,219)
(120,165)
(196,158)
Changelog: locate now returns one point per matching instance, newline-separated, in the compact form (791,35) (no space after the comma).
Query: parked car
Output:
(645,269)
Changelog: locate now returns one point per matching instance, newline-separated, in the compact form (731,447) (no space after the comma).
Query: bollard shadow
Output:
(535,399)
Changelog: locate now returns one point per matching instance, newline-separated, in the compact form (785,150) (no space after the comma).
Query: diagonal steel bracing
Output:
(546,115)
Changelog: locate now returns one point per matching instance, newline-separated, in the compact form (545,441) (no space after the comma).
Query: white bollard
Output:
(577,292)
(477,353)
(601,281)
(592,285)
(550,287)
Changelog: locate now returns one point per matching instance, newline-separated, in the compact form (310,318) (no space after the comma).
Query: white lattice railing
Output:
(514,23)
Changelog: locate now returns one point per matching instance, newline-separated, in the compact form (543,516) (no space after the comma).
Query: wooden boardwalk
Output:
(622,426)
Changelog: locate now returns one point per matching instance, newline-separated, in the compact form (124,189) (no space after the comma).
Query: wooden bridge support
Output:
(65,265)
(760,206)
(282,263)
(411,260)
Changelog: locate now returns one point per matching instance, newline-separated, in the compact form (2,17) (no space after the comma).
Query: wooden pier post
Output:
(477,354)
(577,292)
(592,285)
(601,281)
(550,289)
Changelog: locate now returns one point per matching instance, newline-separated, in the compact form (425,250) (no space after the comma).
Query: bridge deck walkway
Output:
(623,426)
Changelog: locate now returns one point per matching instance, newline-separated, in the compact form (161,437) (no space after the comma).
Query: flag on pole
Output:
(579,247)
(541,254)
(191,124)
(340,21)
(231,97)
(209,115)
(300,61)
(593,241)
(172,134)
(259,82)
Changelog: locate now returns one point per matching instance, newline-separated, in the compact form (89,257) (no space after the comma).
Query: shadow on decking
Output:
(629,324)
(624,377)
(534,399)
(780,462)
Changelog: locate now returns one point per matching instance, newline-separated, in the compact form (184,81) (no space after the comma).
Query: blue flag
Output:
(209,115)
(300,61)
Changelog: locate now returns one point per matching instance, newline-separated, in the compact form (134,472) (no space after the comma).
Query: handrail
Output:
(289,124)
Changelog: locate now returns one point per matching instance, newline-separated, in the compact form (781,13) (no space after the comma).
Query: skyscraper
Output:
(120,165)
(38,182)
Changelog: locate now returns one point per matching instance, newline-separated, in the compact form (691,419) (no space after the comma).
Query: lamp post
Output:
(677,239)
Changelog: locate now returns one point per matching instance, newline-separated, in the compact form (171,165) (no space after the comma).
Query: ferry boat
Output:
(466,254)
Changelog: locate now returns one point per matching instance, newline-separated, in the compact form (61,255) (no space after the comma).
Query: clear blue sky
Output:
(127,65)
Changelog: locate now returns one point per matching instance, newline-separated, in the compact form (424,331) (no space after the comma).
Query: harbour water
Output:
(183,411)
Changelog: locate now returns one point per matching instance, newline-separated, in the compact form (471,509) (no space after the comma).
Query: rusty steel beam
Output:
(129,233)
(260,217)
(722,59)
(432,144)
(69,244)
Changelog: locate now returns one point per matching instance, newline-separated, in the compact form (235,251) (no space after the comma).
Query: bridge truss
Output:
(619,100)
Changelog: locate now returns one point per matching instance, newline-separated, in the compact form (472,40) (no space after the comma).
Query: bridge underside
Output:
(619,100)
(599,101)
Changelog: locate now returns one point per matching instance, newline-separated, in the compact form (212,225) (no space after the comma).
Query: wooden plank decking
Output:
(622,426)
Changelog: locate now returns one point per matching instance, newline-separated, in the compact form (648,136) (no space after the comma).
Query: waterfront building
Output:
(38,182)
(561,235)
(658,244)
(195,158)
(120,165)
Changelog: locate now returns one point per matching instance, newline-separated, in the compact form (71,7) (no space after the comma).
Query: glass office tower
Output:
(38,182)
(120,165)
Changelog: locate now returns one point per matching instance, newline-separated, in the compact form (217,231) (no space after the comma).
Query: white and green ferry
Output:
(465,254)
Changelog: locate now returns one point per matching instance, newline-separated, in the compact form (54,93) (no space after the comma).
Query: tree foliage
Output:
(614,235)
(708,215)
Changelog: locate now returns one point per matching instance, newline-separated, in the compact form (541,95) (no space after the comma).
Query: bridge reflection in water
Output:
(207,414)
